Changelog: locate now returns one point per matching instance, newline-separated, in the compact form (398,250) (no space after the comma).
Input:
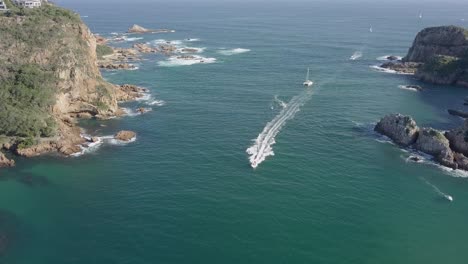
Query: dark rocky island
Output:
(49,77)
(449,149)
(438,55)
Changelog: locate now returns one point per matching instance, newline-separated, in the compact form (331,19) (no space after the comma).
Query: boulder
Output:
(402,67)
(392,58)
(401,129)
(138,29)
(5,162)
(125,135)
(461,160)
(458,138)
(434,143)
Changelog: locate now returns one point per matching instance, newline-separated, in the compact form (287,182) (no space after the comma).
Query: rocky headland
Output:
(49,77)
(438,55)
(449,148)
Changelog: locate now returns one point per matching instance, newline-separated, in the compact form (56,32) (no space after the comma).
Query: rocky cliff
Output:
(48,77)
(438,55)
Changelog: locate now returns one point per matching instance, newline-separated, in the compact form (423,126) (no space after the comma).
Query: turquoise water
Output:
(184,192)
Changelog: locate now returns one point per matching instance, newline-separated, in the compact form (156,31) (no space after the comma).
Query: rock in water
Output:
(458,138)
(125,135)
(5,162)
(401,129)
(434,143)
(138,29)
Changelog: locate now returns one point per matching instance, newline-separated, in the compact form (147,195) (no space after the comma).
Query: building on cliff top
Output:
(28,3)
(3,6)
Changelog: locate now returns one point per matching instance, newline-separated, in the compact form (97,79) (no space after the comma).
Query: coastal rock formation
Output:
(145,48)
(459,139)
(125,135)
(5,162)
(434,143)
(446,40)
(449,149)
(140,30)
(401,129)
(50,76)
(438,55)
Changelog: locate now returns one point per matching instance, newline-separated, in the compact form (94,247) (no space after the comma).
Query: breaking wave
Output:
(356,55)
(90,147)
(380,69)
(185,61)
(233,51)
(262,147)
(385,58)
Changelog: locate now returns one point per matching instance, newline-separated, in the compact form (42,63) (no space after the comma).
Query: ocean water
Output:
(184,191)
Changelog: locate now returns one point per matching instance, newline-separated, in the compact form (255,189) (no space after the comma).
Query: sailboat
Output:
(371,30)
(307,81)
(420,15)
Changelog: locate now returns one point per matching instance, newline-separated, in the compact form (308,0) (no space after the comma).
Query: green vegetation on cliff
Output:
(103,50)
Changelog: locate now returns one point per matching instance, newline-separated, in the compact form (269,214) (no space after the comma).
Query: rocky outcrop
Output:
(446,40)
(434,143)
(116,66)
(66,59)
(140,30)
(438,55)
(401,129)
(449,149)
(402,67)
(5,162)
(125,135)
(145,48)
(458,138)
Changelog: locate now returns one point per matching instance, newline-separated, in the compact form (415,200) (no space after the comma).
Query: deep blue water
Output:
(184,192)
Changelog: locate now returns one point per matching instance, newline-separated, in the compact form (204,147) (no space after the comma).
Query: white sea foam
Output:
(180,61)
(356,55)
(262,147)
(90,147)
(380,69)
(131,39)
(132,113)
(280,102)
(166,42)
(406,87)
(231,52)
(156,102)
(385,58)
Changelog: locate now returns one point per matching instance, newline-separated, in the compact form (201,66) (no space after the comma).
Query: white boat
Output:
(307,81)
(371,30)
(448,197)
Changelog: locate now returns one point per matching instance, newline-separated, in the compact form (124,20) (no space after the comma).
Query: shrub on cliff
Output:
(103,50)
(26,93)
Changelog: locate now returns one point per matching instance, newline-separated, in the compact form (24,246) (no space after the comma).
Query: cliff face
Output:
(442,54)
(48,76)
(446,40)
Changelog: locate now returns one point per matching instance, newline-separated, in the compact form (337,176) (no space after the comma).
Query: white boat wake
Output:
(279,102)
(437,190)
(262,147)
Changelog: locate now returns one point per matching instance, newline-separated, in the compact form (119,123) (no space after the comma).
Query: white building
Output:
(3,6)
(28,3)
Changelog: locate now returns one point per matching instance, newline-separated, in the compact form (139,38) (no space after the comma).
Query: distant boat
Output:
(448,197)
(371,30)
(307,81)
(420,15)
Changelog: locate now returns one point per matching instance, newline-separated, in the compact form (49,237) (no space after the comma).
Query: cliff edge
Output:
(49,77)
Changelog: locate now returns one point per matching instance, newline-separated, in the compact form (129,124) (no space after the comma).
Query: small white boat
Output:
(448,197)
(307,81)
(371,29)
